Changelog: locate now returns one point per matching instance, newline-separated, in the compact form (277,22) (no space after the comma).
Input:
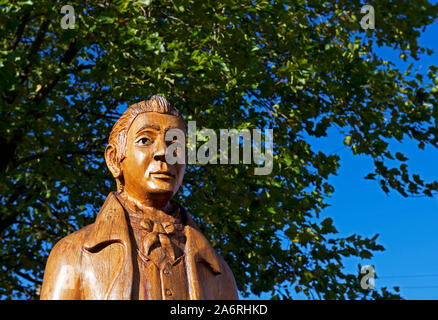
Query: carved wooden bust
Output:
(142,244)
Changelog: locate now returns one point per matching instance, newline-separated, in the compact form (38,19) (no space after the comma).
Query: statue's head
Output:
(136,150)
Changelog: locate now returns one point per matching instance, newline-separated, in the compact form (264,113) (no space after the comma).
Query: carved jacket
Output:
(97,262)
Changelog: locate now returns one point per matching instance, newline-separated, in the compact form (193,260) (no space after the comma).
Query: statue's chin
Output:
(162,193)
(159,187)
(159,191)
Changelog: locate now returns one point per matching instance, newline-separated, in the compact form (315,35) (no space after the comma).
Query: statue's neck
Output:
(155,206)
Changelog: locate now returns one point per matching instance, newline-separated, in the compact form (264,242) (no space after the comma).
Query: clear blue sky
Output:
(408,227)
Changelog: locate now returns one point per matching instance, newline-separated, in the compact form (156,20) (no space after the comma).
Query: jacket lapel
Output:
(106,256)
(198,251)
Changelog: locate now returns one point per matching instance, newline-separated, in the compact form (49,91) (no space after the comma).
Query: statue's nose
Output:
(160,153)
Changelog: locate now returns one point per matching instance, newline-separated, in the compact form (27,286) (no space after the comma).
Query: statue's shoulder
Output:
(73,242)
(61,275)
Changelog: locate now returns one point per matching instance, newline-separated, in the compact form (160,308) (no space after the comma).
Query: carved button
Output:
(168,292)
(166,272)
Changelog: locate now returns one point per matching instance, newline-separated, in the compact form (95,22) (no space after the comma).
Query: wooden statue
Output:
(142,244)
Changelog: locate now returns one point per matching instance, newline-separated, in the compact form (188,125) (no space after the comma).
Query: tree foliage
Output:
(299,67)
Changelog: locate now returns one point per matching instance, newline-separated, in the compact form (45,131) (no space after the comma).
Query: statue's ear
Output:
(112,161)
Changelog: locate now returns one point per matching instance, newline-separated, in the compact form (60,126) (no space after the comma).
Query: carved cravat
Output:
(158,233)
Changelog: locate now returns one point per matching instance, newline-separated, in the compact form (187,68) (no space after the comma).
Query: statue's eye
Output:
(144,141)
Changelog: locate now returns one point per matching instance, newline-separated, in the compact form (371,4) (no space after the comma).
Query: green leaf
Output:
(347,140)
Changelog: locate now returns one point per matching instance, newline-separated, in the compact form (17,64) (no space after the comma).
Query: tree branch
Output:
(66,59)
(34,48)
(20,31)
(29,278)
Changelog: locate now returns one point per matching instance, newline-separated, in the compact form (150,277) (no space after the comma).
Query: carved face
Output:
(145,170)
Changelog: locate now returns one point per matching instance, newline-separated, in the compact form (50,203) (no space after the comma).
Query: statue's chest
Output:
(161,271)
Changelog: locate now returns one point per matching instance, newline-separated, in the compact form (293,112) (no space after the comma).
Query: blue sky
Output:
(408,227)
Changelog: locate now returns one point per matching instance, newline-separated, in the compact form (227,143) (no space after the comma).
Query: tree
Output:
(299,67)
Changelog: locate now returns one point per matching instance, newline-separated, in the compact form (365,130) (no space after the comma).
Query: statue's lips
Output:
(162,175)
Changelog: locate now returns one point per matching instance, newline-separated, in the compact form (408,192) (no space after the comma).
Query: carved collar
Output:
(111,226)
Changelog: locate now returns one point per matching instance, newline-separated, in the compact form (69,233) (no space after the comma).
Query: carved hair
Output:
(119,133)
